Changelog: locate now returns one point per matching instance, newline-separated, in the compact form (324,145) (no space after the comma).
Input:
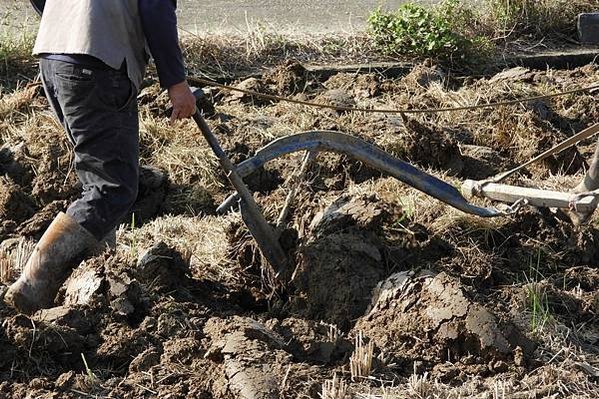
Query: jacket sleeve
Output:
(159,22)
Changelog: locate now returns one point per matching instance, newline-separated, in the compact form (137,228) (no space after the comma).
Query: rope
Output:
(586,133)
(391,111)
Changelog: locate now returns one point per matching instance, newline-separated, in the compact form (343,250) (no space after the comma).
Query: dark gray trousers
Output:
(98,110)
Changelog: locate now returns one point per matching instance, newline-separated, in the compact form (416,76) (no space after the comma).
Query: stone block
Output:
(588,28)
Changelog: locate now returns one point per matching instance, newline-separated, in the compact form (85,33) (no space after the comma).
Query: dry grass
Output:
(553,381)
(182,153)
(361,361)
(335,389)
(204,239)
(6,269)
(227,55)
(12,261)
(17,101)
(180,150)
(16,42)
(541,18)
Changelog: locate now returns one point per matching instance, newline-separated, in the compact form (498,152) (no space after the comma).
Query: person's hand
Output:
(183,100)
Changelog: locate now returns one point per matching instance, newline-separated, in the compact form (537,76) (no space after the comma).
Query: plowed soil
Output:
(432,302)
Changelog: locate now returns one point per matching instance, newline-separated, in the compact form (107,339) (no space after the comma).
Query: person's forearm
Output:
(159,22)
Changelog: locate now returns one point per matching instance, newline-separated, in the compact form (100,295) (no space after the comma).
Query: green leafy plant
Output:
(428,32)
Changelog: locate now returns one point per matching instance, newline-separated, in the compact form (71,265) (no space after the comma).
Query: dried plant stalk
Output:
(335,389)
(360,361)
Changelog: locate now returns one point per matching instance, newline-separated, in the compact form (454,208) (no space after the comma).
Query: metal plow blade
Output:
(369,154)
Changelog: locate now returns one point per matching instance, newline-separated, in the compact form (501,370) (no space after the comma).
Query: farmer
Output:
(93,55)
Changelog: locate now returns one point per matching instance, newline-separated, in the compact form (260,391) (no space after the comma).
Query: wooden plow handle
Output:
(532,196)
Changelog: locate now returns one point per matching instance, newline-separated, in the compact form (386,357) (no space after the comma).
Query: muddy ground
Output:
(391,294)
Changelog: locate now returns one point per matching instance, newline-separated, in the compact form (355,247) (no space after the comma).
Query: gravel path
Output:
(298,15)
(305,16)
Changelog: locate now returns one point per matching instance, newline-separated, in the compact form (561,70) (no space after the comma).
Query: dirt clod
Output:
(435,315)
(84,286)
(288,79)
(253,357)
(424,75)
(14,203)
(144,361)
(162,268)
(482,162)
(73,317)
(35,226)
(513,74)
(342,255)
(336,98)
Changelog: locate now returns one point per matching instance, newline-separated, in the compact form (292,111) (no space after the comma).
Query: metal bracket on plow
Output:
(531,196)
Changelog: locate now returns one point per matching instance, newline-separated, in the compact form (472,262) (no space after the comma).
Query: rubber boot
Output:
(60,249)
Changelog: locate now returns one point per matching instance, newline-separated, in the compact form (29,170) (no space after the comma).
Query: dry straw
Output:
(360,361)
(335,389)
(12,262)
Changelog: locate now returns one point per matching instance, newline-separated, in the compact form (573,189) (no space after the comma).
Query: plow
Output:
(312,143)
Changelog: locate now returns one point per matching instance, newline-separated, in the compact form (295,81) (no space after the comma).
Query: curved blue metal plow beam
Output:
(368,154)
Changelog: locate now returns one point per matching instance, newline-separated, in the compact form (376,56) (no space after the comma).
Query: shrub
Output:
(437,32)
(455,28)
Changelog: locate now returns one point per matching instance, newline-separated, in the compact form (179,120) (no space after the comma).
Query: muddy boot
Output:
(60,249)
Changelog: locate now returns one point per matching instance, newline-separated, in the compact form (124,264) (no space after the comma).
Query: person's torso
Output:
(109,30)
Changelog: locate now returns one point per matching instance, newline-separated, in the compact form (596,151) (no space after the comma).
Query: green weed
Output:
(538,301)
(92,379)
(442,32)
(458,30)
